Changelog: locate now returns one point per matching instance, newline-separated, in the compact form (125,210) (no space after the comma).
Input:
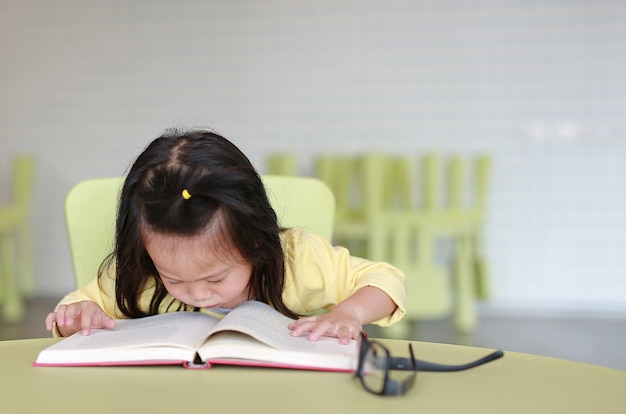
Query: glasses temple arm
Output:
(397,363)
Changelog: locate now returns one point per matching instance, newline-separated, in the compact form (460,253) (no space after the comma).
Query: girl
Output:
(195,231)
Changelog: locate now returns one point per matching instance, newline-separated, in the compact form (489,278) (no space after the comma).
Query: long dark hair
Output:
(223,183)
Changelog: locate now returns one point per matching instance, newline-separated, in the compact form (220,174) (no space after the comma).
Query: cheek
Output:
(175,291)
(170,290)
(242,281)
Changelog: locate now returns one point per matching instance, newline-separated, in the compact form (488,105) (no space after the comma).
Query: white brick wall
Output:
(540,85)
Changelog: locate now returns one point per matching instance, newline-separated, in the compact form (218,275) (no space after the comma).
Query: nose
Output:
(200,291)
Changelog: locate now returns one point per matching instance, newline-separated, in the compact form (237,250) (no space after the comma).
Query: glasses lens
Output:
(374,365)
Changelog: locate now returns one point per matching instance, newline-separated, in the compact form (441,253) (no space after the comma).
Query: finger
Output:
(85,324)
(301,321)
(344,335)
(304,328)
(50,320)
(107,322)
(71,313)
(320,329)
(302,325)
(60,315)
(299,330)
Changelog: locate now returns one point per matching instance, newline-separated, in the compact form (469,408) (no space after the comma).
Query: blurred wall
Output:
(86,84)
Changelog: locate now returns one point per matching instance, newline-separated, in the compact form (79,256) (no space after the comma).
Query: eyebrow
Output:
(216,275)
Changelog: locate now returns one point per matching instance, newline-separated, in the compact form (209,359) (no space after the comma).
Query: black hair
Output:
(222,183)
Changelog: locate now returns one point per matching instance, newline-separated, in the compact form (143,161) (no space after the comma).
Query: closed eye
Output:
(177,282)
(211,280)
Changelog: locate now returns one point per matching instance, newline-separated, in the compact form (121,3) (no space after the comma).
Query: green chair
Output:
(340,174)
(363,186)
(17,278)
(382,216)
(409,239)
(282,164)
(91,206)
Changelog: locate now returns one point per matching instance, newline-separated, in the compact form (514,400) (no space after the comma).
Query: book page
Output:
(256,331)
(229,347)
(134,340)
(269,326)
(264,323)
(175,328)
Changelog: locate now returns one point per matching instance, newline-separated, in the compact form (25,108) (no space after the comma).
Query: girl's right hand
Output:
(84,315)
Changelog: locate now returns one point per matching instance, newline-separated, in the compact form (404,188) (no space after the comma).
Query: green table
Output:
(516,383)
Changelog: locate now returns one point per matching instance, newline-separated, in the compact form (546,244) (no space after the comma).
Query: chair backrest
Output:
(91,207)
(15,213)
(17,273)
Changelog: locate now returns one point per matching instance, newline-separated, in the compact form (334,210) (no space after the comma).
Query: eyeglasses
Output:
(376,363)
(374,368)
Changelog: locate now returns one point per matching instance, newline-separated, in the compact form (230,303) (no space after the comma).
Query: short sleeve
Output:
(319,275)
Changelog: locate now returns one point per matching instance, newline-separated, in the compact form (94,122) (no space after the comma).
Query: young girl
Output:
(195,231)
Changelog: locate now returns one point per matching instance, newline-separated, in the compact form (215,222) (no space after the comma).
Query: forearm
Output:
(368,304)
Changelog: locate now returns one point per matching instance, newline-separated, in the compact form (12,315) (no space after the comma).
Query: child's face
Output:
(196,271)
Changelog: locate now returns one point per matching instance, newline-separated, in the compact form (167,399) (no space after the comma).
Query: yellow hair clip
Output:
(186,194)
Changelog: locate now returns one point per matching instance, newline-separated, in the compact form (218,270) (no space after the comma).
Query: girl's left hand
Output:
(335,323)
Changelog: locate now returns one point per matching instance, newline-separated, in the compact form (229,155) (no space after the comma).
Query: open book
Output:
(253,334)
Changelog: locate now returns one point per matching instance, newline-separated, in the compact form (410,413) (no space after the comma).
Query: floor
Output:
(598,340)
(590,339)
(32,325)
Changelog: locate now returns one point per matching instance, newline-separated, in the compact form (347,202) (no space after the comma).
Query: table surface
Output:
(516,383)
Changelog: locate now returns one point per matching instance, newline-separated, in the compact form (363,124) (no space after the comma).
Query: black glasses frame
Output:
(390,387)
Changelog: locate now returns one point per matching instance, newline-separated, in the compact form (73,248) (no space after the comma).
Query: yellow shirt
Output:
(318,276)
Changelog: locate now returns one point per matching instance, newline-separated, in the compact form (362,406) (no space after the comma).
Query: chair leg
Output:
(481,268)
(12,306)
(464,317)
(26,260)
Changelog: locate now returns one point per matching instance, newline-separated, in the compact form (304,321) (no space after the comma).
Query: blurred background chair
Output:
(363,186)
(282,164)
(91,207)
(90,211)
(384,216)
(17,278)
